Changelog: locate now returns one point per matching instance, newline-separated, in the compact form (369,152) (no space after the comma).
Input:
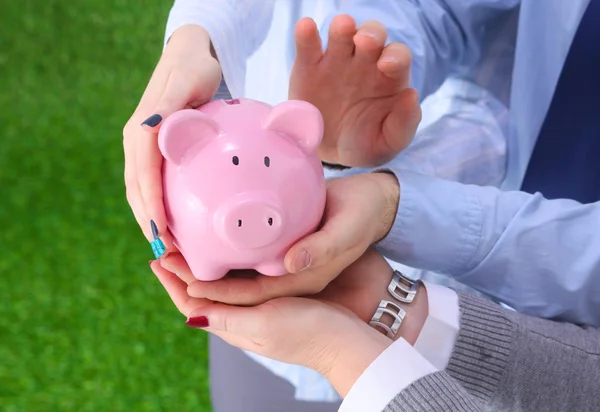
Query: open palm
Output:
(361,88)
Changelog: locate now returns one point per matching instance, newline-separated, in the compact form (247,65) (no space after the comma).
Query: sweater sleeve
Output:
(504,360)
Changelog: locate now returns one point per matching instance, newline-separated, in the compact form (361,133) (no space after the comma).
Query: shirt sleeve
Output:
(401,364)
(236,29)
(536,255)
(444,37)
(395,369)
(463,137)
(438,336)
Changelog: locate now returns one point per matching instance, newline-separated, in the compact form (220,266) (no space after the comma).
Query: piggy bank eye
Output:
(267,161)
(235,160)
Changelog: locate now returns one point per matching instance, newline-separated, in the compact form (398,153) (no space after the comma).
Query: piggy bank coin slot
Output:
(267,161)
(232,101)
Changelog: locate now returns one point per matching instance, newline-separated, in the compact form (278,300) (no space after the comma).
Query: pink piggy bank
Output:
(242,183)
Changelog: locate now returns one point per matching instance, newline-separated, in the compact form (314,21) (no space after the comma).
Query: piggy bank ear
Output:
(184,130)
(300,121)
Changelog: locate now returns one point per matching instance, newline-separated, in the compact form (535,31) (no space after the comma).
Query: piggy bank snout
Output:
(250,222)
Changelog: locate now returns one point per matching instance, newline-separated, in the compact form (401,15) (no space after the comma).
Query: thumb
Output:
(178,94)
(336,238)
(401,124)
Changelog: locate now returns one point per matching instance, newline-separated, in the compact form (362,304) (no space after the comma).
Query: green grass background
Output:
(84,324)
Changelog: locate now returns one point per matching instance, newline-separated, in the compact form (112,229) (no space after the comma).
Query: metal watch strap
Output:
(384,307)
(400,283)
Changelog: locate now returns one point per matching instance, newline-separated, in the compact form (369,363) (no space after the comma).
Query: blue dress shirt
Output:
(539,256)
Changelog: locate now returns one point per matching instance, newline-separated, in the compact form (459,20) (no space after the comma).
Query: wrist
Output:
(416,315)
(390,192)
(191,36)
(356,351)
(416,311)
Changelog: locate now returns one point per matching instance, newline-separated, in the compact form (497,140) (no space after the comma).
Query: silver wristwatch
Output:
(404,290)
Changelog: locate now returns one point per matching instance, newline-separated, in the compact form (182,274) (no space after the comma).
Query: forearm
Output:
(530,364)
(376,364)
(503,360)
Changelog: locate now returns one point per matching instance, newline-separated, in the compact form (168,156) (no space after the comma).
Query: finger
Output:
(369,41)
(176,288)
(340,44)
(233,291)
(309,50)
(134,196)
(225,318)
(186,87)
(238,326)
(149,172)
(254,323)
(394,62)
(401,124)
(132,135)
(176,263)
(342,233)
(322,248)
(260,289)
(181,88)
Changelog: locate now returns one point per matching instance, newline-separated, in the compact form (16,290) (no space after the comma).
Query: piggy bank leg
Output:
(275,268)
(206,270)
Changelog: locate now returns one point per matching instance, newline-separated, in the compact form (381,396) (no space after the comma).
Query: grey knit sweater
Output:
(505,361)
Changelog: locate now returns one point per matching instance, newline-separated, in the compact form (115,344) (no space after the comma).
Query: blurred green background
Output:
(84,324)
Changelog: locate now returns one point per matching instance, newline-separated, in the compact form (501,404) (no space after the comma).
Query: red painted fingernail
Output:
(197,322)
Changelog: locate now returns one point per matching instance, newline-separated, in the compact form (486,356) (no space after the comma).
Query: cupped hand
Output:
(327,332)
(187,75)
(359,211)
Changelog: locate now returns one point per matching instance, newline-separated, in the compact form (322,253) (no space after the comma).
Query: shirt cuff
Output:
(438,225)
(395,369)
(401,364)
(438,336)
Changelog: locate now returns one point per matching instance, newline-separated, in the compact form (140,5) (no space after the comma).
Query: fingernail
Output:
(158,248)
(301,261)
(368,33)
(154,229)
(389,59)
(153,120)
(197,322)
(150,262)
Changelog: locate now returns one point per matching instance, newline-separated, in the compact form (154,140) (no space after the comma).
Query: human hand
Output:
(186,76)
(359,211)
(327,333)
(361,88)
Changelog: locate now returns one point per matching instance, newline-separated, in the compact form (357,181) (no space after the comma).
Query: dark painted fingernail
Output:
(197,322)
(158,247)
(154,229)
(153,120)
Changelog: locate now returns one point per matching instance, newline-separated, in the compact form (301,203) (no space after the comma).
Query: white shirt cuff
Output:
(401,364)
(395,369)
(438,336)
